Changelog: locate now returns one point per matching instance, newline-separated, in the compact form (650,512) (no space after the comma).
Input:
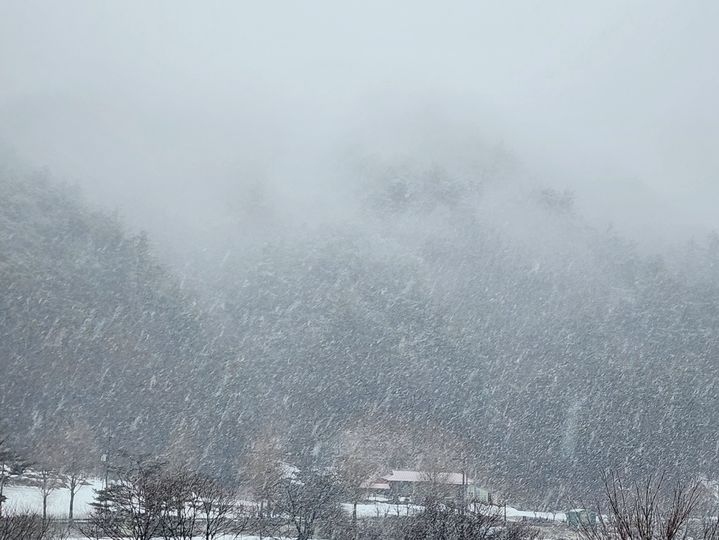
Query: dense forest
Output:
(541,349)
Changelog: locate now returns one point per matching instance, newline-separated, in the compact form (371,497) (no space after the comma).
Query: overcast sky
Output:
(159,108)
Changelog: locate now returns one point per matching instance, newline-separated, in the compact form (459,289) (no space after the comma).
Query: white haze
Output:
(172,111)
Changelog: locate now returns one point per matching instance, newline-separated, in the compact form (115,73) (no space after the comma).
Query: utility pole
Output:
(464,486)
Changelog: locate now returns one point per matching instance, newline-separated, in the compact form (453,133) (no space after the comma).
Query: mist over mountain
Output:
(547,349)
(479,237)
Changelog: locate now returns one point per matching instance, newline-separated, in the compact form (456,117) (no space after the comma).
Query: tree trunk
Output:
(262,522)
(2,485)
(72,502)
(44,506)
(355,532)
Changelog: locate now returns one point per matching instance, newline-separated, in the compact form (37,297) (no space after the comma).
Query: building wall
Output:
(417,490)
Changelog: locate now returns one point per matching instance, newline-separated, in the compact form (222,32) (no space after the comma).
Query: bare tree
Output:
(434,488)
(450,522)
(709,528)
(180,508)
(9,460)
(217,505)
(79,448)
(68,451)
(263,472)
(49,482)
(24,526)
(353,471)
(642,510)
(6,456)
(309,498)
(132,506)
(518,531)
(147,500)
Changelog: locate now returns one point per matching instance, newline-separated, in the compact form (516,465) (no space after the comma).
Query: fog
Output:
(295,249)
(165,110)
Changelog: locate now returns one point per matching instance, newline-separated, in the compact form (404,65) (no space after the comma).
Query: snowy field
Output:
(29,498)
(514,514)
(382,509)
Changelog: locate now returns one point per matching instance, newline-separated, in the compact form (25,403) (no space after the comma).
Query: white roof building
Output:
(447,478)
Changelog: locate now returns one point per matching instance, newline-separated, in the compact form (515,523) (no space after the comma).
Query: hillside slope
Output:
(541,350)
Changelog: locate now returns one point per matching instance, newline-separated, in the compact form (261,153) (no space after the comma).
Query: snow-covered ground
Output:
(58,503)
(382,509)
(514,514)
(29,498)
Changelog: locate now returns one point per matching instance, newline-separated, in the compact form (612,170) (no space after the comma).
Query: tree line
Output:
(147,498)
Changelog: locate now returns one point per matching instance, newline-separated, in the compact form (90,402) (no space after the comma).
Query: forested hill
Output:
(543,349)
(92,326)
